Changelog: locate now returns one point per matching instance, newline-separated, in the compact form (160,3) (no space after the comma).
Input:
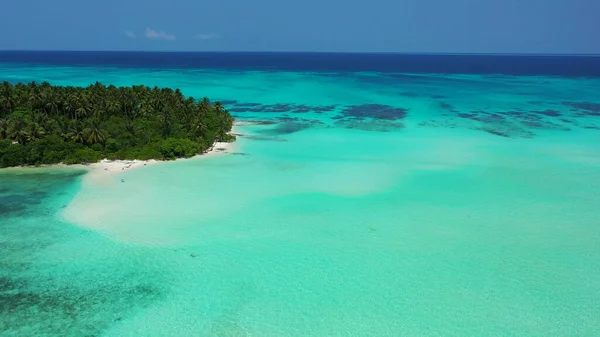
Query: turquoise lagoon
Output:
(352,204)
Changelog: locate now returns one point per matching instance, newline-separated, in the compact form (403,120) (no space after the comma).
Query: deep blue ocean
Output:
(548,65)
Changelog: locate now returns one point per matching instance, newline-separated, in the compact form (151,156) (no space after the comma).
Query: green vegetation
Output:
(46,124)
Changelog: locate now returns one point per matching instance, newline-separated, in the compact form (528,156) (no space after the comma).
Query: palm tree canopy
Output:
(114,122)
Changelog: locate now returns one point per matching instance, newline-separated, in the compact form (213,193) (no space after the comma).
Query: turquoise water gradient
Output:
(475,215)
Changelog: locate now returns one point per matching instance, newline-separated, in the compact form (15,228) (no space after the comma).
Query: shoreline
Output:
(118,166)
(115,167)
(112,168)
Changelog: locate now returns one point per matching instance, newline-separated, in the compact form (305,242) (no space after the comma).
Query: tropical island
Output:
(42,123)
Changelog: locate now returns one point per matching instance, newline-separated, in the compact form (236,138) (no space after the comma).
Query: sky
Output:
(405,26)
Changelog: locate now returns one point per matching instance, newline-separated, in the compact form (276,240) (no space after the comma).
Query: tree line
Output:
(45,124)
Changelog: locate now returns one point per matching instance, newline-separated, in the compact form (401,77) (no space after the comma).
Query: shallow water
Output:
(356,204)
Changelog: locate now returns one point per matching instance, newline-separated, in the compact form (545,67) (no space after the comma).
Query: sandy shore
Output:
(105,169)
(100,171)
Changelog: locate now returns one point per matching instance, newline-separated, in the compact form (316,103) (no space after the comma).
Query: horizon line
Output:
(294,52)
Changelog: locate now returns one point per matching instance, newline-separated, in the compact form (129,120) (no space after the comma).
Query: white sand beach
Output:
(100,182)
(106,169)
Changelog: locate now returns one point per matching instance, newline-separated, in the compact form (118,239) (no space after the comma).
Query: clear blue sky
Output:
(442,26)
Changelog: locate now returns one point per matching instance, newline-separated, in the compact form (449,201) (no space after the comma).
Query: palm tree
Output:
(82,110)
(52,104)
(129,127)
(97,113)
(40,118)
(76,132)
(35,132)
(218,107)
(224,127)
(34,100)
(135,116)
(4,128)
(198,127)
(204,106)
(94,134)
(18,131)
(7,102)
(113,106)
(165,119)
(46,122)
(70,105)
(61,128)
(145,108)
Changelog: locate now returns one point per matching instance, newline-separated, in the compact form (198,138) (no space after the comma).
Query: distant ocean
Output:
(367,195)
(548,65)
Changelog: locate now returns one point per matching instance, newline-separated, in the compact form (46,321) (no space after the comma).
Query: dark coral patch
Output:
(257,122)
(371,117)
(546,125)
(495,132)
(482,116)
(549,113)
(442,123)
(287,128)
(370,125)
(533,119)
(512,123)
(291,119)
(255,137)
(446,106)
(564,120)
(512,113)
(467,115)
(14,204)
(591,127)
(228,102)
(237,110)
(326,108)
(507,131)
(68,311)
(280,108)
(587,108)
(292,125)
(375,111)
(248,104)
